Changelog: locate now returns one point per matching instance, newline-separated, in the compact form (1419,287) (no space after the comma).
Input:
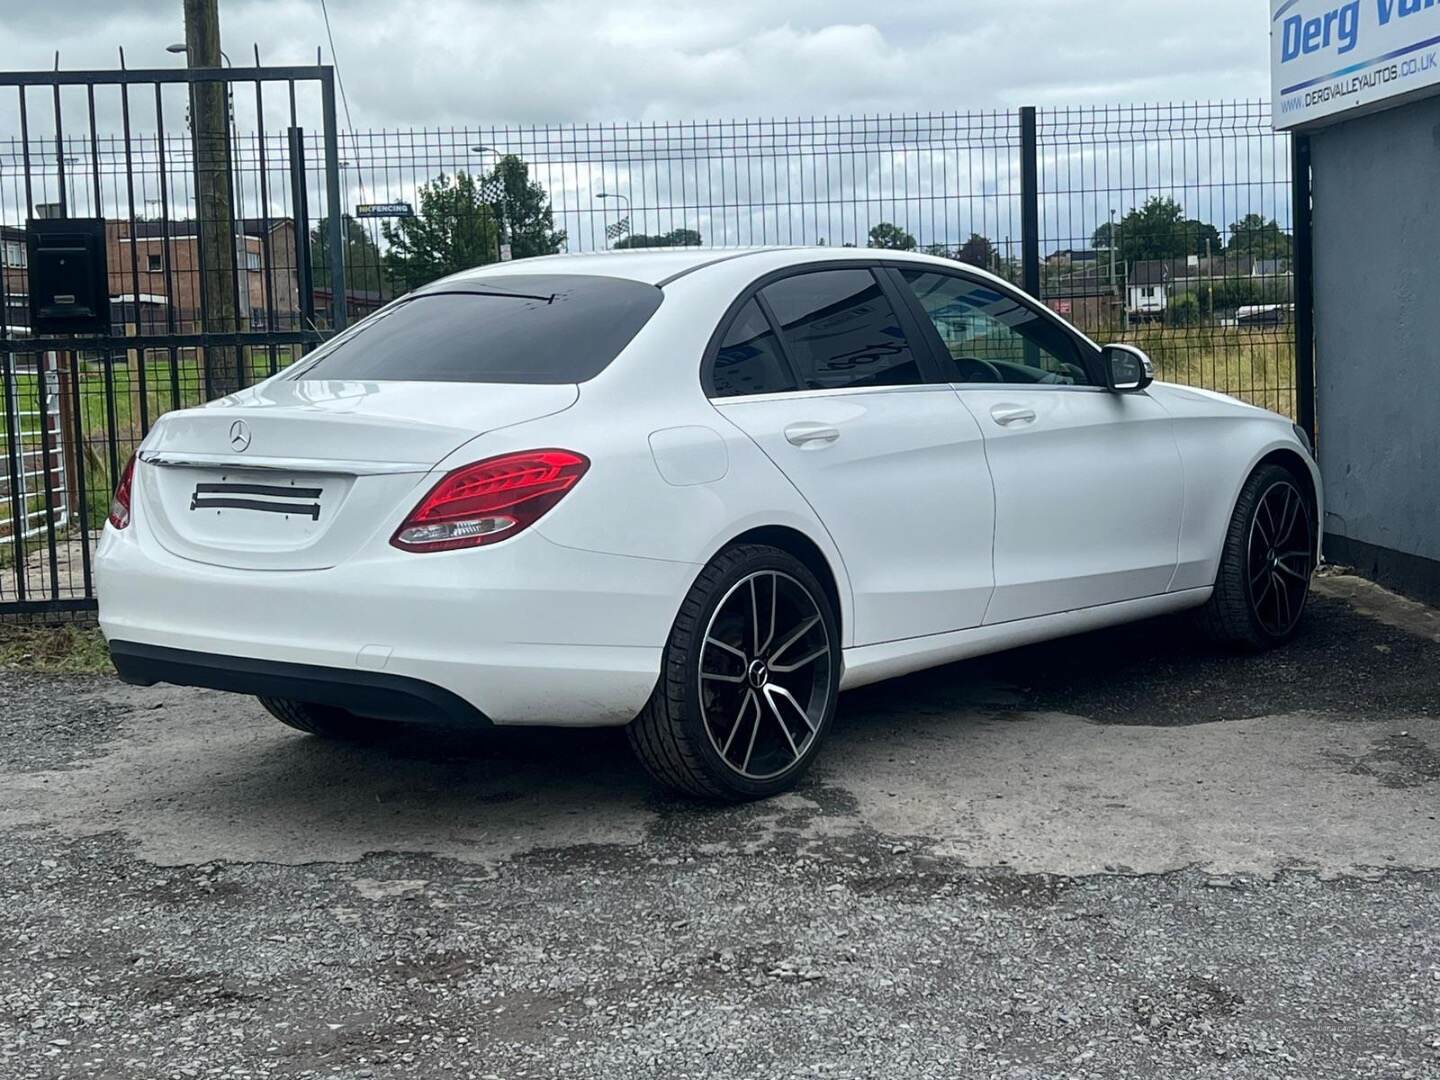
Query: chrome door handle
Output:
(808,434)
(1005,415)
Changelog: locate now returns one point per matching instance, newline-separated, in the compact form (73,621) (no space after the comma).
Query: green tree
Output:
(977,251)
(1160,230)
(454,228)
(1232,293)
(524,210)
(673,238)
(1259,237)
(364,265)
(459,221)
(1185,310)
(891,237)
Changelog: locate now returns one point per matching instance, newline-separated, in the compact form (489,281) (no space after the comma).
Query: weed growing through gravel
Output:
(72,649)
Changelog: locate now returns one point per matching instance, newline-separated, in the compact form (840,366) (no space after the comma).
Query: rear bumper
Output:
(523,633)
(368,693)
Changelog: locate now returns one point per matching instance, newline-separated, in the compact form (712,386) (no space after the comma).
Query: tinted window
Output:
(992,337)
(749,360)
(840,331)
(521,329)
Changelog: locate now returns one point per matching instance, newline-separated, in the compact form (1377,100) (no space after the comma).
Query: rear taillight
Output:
(490,501)
(120,504)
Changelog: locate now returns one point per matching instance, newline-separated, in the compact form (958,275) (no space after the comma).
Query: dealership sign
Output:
(1329,58)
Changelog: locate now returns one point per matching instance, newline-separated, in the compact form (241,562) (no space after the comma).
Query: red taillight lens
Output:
(120,504)
(491,500)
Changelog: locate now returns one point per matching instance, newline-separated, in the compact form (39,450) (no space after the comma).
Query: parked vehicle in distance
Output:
(1265,315)
(694,492)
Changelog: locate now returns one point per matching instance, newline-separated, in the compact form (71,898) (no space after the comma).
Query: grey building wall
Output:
(1376,183)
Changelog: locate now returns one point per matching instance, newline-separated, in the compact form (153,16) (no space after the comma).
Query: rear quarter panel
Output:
(670,478)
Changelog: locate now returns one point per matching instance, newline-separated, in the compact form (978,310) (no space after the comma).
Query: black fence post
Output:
(1029,203)
(1303,264)
(300,202)
(339,298)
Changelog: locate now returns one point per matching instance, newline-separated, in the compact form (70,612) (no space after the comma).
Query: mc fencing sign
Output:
(1329,59)
(384,210)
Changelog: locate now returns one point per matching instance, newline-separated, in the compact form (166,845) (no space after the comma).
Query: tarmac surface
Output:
(1124,854)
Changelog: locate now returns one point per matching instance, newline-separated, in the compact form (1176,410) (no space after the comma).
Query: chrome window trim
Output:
(832,392)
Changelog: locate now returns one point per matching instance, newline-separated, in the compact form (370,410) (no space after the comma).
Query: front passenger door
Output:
(1088,483)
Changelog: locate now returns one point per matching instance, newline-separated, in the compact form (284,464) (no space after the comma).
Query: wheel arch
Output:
(1293,462)
(792,540)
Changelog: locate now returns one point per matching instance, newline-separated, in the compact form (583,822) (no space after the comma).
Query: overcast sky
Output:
(481,62)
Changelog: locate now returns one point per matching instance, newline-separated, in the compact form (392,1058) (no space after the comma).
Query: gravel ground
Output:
(189,891)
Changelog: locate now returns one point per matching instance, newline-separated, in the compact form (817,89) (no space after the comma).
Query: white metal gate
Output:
(32,478)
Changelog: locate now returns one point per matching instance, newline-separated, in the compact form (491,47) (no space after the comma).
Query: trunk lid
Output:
(298,474)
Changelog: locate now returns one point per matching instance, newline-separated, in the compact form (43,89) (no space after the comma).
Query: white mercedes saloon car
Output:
(696,493)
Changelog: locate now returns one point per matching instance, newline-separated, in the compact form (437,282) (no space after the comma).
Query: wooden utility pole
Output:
(214,197)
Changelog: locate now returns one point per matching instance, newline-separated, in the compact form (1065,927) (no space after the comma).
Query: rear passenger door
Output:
(818,367)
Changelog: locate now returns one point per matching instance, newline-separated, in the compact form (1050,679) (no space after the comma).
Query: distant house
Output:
(1155,283)
(156,291)
(1071,258)
(1087,299)
(14,258)
(156,285)
(1152,283)
(358,302)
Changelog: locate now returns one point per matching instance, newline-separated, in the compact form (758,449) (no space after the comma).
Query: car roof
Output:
(653,266)
(659,266)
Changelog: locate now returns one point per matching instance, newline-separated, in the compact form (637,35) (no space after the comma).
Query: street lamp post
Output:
(498,209)
(180,48)
(1111,245)
(70,163)
(602,195)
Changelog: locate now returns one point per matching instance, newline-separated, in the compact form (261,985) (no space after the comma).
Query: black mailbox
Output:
(69,283)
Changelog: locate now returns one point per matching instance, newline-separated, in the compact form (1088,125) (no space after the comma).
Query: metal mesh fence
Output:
(184,324)
(733,182)
(1164,225)
(1193,264)
(1169,226)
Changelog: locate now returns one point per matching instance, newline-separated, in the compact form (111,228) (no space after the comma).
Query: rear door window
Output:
(749,360)
(840,330)
(526,328)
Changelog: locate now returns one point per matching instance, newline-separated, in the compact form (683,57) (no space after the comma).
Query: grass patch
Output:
(1253,364)
(69,649)
(111,393)
(117,402)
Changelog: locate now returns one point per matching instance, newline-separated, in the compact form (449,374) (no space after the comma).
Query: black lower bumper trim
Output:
(366,693)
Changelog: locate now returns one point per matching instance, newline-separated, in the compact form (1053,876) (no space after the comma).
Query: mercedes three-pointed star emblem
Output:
(239,436)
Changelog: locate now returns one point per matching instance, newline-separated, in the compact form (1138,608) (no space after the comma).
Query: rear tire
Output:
(748,681)
(326,721)
(1265,566)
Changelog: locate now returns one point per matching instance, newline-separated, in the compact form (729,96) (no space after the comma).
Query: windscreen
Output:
(541,328)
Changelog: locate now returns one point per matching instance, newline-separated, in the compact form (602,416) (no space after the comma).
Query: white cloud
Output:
(442,62)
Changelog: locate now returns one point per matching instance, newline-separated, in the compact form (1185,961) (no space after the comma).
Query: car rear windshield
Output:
(517,329)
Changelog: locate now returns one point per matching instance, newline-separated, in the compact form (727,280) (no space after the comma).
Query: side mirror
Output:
(1127,369)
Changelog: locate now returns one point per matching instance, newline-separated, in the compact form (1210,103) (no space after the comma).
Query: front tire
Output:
(748,682)
(1266,565)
